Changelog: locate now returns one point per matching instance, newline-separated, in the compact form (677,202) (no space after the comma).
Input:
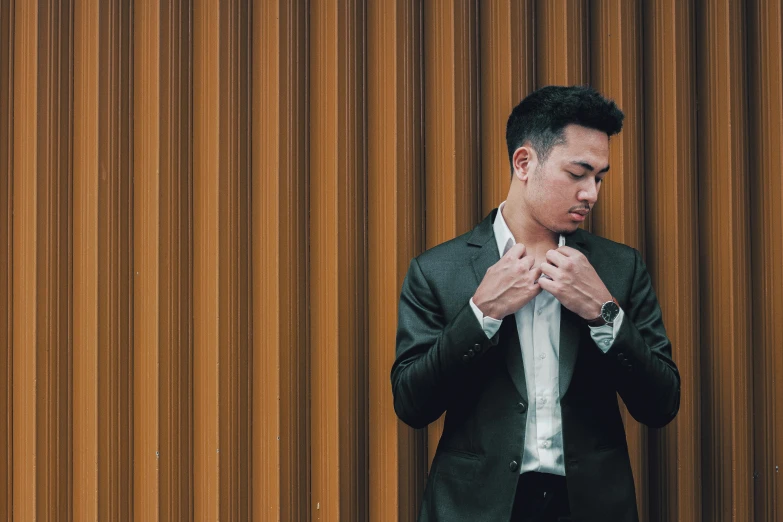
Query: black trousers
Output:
(541,497)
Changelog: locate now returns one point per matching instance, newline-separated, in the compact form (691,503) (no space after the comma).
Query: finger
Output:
(549,270)
(555,258)
(546,284)
(527,262)
(516,252)
(568,251)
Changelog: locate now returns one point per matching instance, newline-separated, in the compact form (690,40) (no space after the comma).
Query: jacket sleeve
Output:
(641,356)
(433,356)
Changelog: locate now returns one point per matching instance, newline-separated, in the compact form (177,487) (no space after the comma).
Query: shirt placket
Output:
(540,355)
(544,399)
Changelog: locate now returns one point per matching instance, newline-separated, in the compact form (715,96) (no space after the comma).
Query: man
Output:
(525,329)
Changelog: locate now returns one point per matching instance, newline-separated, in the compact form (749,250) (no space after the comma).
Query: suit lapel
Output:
(516,367)
(484,236)
(569,324)
(485,258)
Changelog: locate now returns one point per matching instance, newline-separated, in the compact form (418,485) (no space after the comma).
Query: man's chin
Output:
(565,231)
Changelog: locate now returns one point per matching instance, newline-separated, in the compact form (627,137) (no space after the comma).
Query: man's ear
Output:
(524,162)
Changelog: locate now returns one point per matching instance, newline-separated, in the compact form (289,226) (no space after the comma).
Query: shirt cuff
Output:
(490,325)
(604,335)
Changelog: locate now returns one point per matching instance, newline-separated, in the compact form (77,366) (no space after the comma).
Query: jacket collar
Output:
(483,236)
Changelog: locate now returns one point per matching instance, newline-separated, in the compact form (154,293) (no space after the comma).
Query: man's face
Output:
(562,190)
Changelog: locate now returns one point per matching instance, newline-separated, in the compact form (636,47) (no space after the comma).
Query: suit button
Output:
(477,348)
(522,407)
(513,465)
(620,357)
(465,358)
(471,353)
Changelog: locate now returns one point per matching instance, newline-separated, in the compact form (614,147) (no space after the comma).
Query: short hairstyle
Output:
(541,117)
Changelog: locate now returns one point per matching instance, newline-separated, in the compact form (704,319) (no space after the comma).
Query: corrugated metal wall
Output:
(207,210)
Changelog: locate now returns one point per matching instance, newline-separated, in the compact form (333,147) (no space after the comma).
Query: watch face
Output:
(609,311)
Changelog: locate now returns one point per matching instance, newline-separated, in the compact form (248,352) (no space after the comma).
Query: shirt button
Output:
(542,356)
(513,465)
(540,311)
(542,401)
(545,444)
(607,342)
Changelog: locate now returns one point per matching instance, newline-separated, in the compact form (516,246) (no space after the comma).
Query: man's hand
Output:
(508,285)
(574,282)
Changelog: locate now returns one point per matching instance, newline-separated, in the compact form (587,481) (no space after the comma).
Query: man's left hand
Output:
(574,282)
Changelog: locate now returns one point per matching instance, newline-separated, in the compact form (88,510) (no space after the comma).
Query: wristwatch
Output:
(609,311)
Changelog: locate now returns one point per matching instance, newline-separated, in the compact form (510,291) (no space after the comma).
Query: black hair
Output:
(541,117)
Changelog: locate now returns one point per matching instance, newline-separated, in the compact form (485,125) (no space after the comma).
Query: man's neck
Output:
(528,231)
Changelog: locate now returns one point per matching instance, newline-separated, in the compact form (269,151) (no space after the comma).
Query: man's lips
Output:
(579,214)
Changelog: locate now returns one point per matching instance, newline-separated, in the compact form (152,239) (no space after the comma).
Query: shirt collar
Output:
(503,236)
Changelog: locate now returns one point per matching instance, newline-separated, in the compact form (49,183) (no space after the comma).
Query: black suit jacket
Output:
(445,363)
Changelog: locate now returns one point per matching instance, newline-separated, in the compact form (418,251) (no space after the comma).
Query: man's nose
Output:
(589,193)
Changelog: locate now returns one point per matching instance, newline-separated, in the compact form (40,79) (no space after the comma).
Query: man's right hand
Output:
(508,285)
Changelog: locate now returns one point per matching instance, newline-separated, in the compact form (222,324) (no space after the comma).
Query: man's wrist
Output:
(488,324)
(605,316)
(486,308)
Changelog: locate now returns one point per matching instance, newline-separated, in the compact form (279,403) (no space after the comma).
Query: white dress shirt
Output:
(538,327)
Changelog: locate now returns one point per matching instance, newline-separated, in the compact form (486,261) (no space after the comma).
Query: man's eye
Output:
(575,176)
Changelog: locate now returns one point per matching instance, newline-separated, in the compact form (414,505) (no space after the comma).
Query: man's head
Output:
(542,116)
(558,141)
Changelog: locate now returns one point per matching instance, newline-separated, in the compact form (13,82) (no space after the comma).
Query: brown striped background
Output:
(207,209)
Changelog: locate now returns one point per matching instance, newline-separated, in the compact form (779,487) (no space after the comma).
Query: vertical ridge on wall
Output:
(338,262)
(765,93)
(175,314)
(616,72)
(206,260)
(52,316)
(507,40)
(397,453)
(208,415)
(672,246)
(146,260)
(451,114)
(234,252)
(25,254)
(6,257)
(85,260)
(725,279)
(563,42)
(115,270)
(279,229)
